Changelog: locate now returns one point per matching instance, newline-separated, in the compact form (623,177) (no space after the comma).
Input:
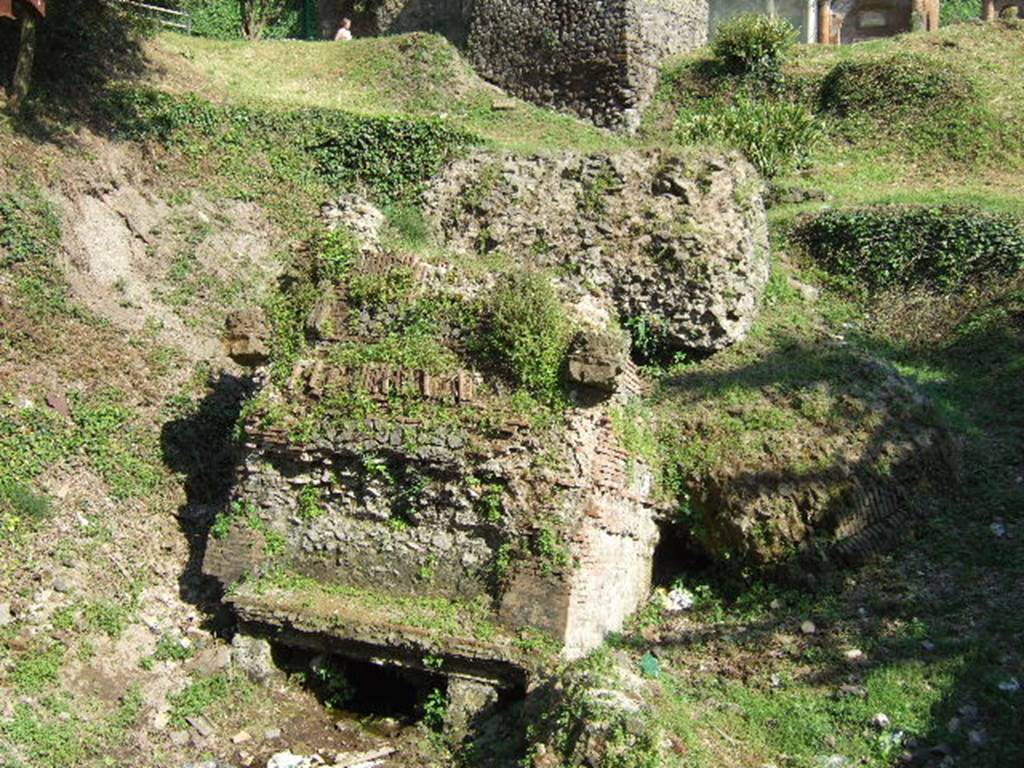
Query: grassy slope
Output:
(741,685)
(866,172)
(937,621)
(415,74)
(873,167)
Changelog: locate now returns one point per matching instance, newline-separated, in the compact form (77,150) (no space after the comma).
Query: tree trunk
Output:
(254,16)
(26,57)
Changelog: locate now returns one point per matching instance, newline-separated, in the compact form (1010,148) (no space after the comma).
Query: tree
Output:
(258,15)
(22,82)
(67,48)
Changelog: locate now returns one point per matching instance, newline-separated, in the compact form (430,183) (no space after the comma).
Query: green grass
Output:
(56,734)
(103,430)
(416,74)
(439,615)
(937,151)
(201,697)
(36,670)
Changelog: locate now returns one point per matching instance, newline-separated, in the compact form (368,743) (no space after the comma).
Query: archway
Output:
(870,19)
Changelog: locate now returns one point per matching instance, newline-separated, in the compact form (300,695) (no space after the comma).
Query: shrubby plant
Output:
(776,136)
(528,331)
(882,86)
(253,19)
(391,157)
(753,44)
(901,246)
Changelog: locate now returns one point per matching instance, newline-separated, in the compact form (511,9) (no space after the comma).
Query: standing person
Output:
(344,30)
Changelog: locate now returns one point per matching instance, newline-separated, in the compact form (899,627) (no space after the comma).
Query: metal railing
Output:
(171,18)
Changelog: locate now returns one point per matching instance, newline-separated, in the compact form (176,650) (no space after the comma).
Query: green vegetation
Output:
(38,669)
(169,648)
(438,615)
(30,234)
(200,696)
(335,688)
(911,97)
(310,503)
(925,119)
(103,431)
(253,19)
(753,44)
(956,11)
(929,288)
(942,248)
(54,735)
(389,156)
(245,513)
(29,228)
(218,19)
(418,75)
(628,739)
(435,710)
(528,331)
(776,137)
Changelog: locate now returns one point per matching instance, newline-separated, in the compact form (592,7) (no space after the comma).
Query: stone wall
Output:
(596,59)
(413,522)
(568,54)
(655,30)
(677,242)
(373,492)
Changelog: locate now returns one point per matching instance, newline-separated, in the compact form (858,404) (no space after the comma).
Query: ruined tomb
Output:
(419,485)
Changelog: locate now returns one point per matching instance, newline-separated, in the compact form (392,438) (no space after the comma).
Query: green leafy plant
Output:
(20,508)
(234,19)
(335,688)
(218,19)
(776,136)
(491,503)
(551,550)
(170,648)
(528,331)
(435,709)
(311,503)
(930,106)
(197,697)
(38,669)
(889,84)
(391,157)
(596,189)
(902,246)
(753,44)
(29,227)
(334,255)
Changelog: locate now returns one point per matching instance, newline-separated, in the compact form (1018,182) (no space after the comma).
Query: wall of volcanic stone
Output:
(597,59)
(655,30)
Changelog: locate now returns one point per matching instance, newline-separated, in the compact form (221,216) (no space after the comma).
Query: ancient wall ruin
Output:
(418,506)
(598,60)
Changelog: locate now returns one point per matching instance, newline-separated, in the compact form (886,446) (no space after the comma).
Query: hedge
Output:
(940,247)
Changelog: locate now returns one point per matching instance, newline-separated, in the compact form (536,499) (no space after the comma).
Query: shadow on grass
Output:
(940,619)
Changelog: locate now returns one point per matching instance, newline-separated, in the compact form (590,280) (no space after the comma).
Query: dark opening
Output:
(676,553)
(362,688)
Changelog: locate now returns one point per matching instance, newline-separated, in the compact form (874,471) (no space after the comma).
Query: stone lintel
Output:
(332,627)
